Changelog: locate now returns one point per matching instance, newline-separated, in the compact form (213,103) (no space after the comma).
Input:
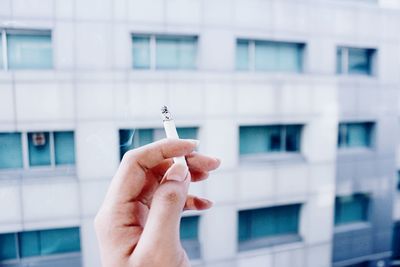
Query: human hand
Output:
(138,222)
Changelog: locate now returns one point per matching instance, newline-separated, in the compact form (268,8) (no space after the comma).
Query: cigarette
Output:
(170,131)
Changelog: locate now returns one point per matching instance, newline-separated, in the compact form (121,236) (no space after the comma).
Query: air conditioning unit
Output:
(39,139)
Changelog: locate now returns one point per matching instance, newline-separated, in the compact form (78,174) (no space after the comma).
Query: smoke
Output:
(129,139)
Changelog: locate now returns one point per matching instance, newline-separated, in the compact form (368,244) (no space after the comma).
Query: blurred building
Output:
(298,98)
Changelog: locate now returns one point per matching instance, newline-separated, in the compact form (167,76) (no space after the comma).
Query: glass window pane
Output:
(355,135)
(358,135)
(244,225)
(267,222)
(187,132)
(274,138)
(266,56)
(264,139)
(176,52)
(189,228)
(167,55)
(253,140)
(57,241)
(351,209)
(263,223)
(278,56)
(288,219)
(398,182)
(293,133)
(339,60)
(39,149)
(29,244)
(187,53)
(10,150)
(342,130)
(359,61)
(290,57)
(8,248)
(125,141)
(29,51)
(242,55)
(64,146)
(146,136)
(141,52)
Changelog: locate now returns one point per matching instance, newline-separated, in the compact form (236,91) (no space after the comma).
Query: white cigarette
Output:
(170,131)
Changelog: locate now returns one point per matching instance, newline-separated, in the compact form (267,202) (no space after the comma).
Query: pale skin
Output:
(138,222)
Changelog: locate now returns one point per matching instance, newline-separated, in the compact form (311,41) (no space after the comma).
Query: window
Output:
(270,139)
(189,229)
(39,243)
(271,56)
(141,52)
(353,135)
(10,151)
(26,49)
(49,242)
(43,149)
(351,209)
(134,138)
(268,226)
(51,148)
(354,61)
(64,147)
(164,52)
(7,247)
(398,180)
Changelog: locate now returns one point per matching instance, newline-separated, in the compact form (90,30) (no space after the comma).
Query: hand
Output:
(138,223)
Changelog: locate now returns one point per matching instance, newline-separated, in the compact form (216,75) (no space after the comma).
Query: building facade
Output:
(298,98)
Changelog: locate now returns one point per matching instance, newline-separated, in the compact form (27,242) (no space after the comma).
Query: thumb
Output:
(162,226)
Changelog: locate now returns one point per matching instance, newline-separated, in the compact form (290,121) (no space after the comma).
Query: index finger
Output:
(131,175)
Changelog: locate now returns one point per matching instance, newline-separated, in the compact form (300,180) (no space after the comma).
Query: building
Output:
(298,99)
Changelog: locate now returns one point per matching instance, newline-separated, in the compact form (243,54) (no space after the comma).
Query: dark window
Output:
(189,233)
(352,135)
(266,222)
(271,138)
(355,61)
(134,138)
(351,209)
(10,151)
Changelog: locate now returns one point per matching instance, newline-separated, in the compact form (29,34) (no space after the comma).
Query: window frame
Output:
(5,31)
(282,154)
(355,224)
(157,134)
(53,164)
(272,240)
(28,171)
(26,260)
(398,180)
(371,132)
(153,50)
(345,59)
(193,246)
(252,55)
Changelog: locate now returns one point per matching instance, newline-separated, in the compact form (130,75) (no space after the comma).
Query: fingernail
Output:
(202,203)
(195,142)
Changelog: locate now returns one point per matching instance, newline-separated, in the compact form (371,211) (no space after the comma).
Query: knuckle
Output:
(129,155)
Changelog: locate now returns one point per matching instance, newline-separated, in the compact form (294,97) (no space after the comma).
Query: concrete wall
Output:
(93,91)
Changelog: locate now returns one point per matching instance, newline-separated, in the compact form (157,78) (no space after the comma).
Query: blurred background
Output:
(299,98)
